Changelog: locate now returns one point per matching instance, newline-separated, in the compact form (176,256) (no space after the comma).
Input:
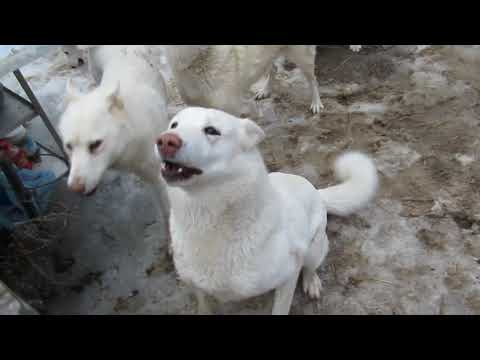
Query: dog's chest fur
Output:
(217,255)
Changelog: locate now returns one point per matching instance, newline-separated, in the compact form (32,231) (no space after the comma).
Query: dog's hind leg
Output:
(355,48)
(304,57)
(312,285)
(263,87)
(284,295)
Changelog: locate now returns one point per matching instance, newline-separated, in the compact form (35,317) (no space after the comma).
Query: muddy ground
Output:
(415,250)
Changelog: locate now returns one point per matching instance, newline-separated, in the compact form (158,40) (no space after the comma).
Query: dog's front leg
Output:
(284,295)
(162,205)
(203,307)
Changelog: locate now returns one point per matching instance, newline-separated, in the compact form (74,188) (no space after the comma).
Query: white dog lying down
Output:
(115,125)
(218,76)
(237,231)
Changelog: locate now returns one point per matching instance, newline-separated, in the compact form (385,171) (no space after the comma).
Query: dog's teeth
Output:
(164,166)
(180,170)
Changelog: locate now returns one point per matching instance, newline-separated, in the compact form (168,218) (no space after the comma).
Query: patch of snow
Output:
(362,107)
(393,157)
(465,160)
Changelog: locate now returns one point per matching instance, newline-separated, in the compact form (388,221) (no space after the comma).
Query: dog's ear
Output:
(251,134)
(71,94)
(114,101)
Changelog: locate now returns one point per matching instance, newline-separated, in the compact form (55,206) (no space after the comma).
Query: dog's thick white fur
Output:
(237,231)
(99,55)
(218,76)
(115,125)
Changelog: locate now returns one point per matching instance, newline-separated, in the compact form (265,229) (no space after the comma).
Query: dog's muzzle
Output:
(168,145)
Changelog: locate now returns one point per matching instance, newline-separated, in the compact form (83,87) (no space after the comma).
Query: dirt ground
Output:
(415,250)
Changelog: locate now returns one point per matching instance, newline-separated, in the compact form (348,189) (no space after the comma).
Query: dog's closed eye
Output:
(210,130)
(94,146)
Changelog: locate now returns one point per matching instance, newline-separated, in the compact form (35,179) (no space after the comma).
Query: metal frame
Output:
(39,110)
(23,194)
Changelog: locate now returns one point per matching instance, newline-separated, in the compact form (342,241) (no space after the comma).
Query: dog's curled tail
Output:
(359,184)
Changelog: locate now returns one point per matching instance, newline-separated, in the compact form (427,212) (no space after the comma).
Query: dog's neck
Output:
(243,193)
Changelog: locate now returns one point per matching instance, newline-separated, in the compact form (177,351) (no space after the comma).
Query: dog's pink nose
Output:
(77,186)
(168,144)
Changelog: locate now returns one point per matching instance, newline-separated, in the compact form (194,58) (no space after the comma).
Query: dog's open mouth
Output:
(93,191)
(172,172)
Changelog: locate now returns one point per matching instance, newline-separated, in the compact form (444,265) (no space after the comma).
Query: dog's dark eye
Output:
(174,125)
(95,145)
(69,147)
(210,130)
(67,53)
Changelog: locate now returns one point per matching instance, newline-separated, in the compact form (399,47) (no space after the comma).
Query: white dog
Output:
(75,56)
(98,56)
(218,76)
(115,125)
(237,231)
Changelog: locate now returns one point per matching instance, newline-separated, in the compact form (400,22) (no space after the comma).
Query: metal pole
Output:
(39,110)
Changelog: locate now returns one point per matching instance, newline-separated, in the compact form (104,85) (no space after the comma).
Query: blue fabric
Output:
(30,146)
(10,208)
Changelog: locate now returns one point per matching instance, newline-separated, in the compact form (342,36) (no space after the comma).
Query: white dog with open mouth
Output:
(218,76)
(115,125)
(237,231)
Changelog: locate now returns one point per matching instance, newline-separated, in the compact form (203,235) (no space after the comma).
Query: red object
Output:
(15,154)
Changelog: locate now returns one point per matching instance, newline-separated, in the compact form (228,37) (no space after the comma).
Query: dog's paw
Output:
(355,48)
(316,107)
(261,92)
(312,285)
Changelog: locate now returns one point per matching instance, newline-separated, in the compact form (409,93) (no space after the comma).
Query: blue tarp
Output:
(10,210)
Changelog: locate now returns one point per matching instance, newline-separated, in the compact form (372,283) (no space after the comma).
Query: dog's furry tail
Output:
(359,184)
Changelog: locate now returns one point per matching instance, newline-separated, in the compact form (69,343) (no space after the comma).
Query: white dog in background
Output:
(237,231)
(218,76)
(115,125)
(74,55)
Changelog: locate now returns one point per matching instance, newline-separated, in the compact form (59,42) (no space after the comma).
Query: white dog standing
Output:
(237,231)
(115,125)
(218,76)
